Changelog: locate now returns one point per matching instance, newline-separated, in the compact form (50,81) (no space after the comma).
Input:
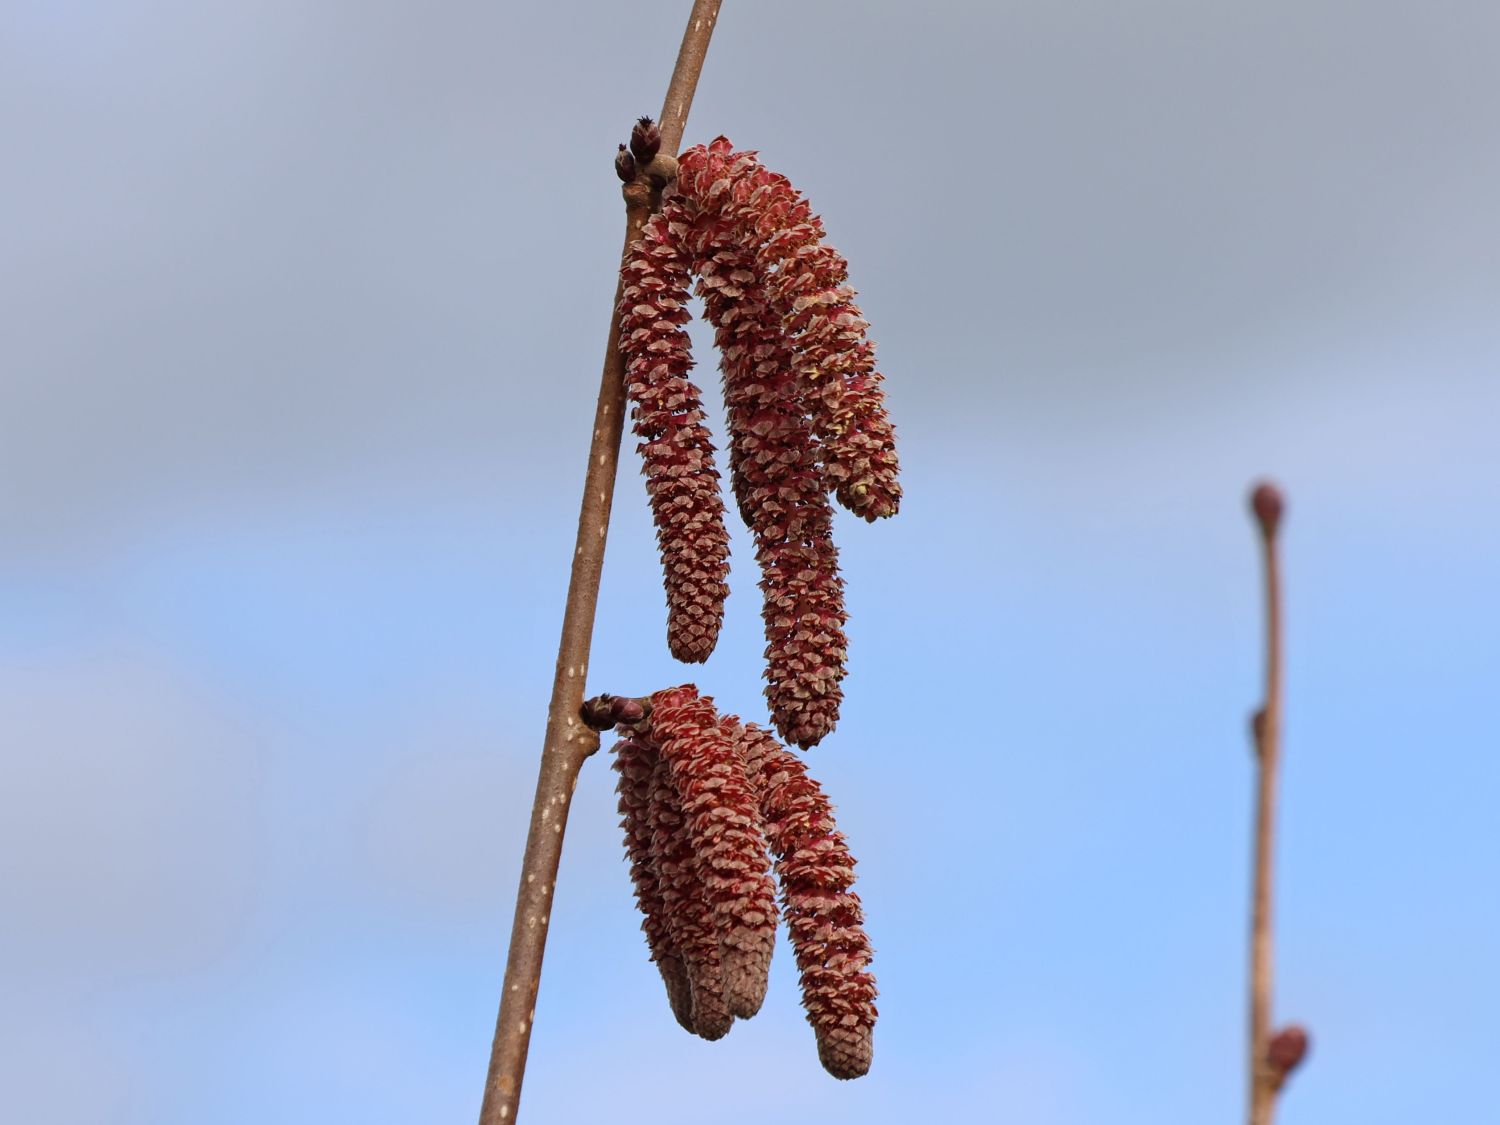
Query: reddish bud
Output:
(605,711)
(1267,503)
(645,140)
(1287,1048)
(628,711)
(1258,727)
(595,713)
(624,165)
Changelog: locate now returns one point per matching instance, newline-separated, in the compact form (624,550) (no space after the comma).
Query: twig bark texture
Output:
(568,741)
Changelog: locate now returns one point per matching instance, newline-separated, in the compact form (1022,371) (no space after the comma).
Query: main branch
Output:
(568,741)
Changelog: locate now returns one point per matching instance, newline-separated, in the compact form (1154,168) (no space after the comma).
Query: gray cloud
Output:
(281,250)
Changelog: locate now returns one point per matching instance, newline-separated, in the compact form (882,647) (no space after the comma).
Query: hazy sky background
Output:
(303,308)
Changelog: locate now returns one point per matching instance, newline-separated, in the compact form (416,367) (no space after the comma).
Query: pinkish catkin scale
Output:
(636,760)
(780,489)
(722,816)
(824,919)
(676,450)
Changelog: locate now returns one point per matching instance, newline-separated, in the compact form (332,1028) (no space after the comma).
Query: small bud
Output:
(1286,1049)
(596,713)
(1258,727)
(627,711)
(624,165)
(645,140)
(1267,504)
(605,711)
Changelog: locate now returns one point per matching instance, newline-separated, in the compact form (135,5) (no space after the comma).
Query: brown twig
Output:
(1271,1059)
(568,741)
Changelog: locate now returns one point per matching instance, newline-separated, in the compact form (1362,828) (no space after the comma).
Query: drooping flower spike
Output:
(723,830)
(779,486)
(805,413)
(636,762)
(824,917)
(706,803)
(808,282)
(675,447)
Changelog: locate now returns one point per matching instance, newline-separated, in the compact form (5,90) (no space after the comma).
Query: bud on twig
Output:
(629,711)
(1258,728)
(624,165)
(645,140)
(1267,503)
(605,711)
(1287,1048)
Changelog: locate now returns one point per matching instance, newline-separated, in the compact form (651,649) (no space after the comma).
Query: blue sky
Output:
(304,313)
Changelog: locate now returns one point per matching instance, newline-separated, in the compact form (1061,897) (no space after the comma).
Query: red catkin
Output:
(722,819)
(808,281)
(779,486)
(636,762)
(689,915)
(677,453)
(805,411)
(824,918)
(704,799)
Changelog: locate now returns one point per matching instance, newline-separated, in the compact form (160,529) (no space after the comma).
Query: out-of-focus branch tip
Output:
(1267,502)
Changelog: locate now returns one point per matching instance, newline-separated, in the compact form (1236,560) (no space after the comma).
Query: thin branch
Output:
(568,741)
(684,83)
(1266,503)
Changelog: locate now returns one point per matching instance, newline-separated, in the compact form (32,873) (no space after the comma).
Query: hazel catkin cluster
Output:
(805,411)
(707,806)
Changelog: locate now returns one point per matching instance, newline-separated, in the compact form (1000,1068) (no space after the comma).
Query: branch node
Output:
(662,170)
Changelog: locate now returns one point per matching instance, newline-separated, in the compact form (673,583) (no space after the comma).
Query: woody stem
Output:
(568,741)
